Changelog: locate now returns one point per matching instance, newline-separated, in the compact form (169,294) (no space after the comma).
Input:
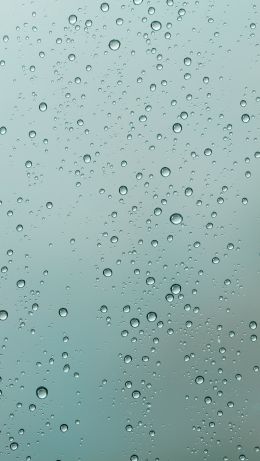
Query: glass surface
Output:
(130,224)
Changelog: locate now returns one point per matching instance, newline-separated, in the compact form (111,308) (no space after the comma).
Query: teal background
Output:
(62,251)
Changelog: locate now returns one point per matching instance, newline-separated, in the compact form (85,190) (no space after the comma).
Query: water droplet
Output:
(165,171)
(104,7)
(3,130)
(43,106)
(208,151)
(151,316)
(188,191)
(199,379)
(123,190)
(245,118)
(87,158)
(136,394)
(253,325)
(64,427)
(176,218)
(42,392)
(107,272)
(114,44)
(215,260)
(150,281)
(175,288)
(14,446)
(63,312)
(72,19)
(20,283)
(134,457)
(134,322)
(3,315)
(49,205)
(156,25)
(177,127)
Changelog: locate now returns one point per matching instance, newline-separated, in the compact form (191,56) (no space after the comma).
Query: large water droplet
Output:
(165,171)
(20,283)
(43,106)
(176,218)
(151,316)
(107,272)
(3,315)
(114,44)
(156,25)
(199,379)
(177,127)
(42,392)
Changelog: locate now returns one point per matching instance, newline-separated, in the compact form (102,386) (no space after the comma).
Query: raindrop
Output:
(3,315)
(151,316)
(72,19)
(123,190)
(165,171)
(134,322)
(87,158)
(107,272)
(64,427)
(156,25)
(177,127)
(175,288)
(43,106)
(245,118)
(20,283)
(114,44)
(104,7)
(176,218)
(253,325)
(42,392)
(3,130)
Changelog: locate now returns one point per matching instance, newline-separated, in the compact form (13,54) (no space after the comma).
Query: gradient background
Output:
(94,107)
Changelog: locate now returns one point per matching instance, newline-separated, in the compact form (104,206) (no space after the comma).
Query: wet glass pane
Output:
(129,188)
